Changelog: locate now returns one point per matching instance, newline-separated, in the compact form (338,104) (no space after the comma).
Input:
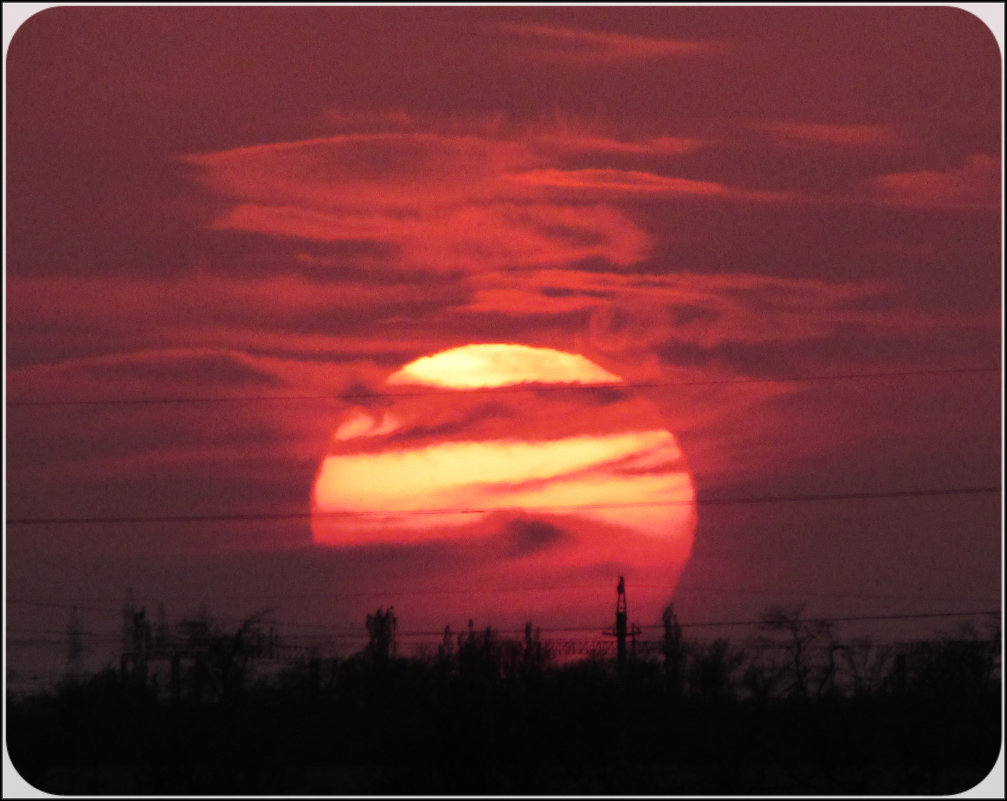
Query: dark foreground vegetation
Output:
(794,712)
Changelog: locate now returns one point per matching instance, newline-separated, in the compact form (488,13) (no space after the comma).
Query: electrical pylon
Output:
(622,630)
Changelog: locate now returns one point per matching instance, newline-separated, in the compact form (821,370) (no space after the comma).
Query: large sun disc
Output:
(563,473)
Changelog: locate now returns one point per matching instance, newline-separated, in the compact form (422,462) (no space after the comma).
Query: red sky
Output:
(720,205)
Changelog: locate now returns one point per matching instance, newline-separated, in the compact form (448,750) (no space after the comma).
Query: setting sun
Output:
(565,452)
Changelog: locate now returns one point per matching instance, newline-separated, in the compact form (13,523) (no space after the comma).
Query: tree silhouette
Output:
(486,715)
(802,637)
(865,664)
(535,655)
(381,628)
(712,668)
(673,649)
(446,651)
(221,659)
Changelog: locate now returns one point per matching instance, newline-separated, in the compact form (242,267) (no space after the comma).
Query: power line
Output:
(399,592)
(362,635)
(717,623)
(65,633)
(62,605)
(699,501)
(525,387)
(706,624)
(803,593)
(844,618)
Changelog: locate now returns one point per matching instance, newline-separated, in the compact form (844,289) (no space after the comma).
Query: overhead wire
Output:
(399,592)
(363,635)
(309,515)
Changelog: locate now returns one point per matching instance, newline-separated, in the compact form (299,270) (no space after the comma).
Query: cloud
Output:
(527,536)
(457,203)
(394,170)
(159,372)
(639,310)
(563,135)
(574,45)
(616,180)
(974,186)
(580,143)
(190,413)
(370,119)
(463,238)
(442,201)
(286,314)
(608,181)
(805,135)
(279,298)
(124,458)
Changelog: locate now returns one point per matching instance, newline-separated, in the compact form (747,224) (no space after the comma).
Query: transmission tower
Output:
(622,630)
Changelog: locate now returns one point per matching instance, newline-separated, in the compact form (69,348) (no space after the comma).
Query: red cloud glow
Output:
(556,43)
(976,185)
(830,135)
(455,203)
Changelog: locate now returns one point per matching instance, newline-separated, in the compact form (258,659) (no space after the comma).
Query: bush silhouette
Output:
(482,714)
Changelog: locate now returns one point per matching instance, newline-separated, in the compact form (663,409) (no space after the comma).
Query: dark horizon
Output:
(805,710)
(100,645)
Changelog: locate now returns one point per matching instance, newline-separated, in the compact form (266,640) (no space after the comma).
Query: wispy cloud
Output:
(850,136)
(573,142)
(166,373)
(709,318)
(457,203)
(640,182)
(692,302)
(135,311)
(555,43)
(442,201)
(462,238)
(616,180)
(975,185)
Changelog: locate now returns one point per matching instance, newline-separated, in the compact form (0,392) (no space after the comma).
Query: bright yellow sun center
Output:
(498,365)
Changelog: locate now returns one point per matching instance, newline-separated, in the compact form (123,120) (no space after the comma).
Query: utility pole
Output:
(622,630)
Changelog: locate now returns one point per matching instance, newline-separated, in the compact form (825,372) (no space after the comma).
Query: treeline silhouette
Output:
(794,710)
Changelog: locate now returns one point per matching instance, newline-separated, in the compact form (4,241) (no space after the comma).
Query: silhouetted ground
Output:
(468,723)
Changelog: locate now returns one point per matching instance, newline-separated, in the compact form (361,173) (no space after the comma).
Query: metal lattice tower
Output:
(622,630)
